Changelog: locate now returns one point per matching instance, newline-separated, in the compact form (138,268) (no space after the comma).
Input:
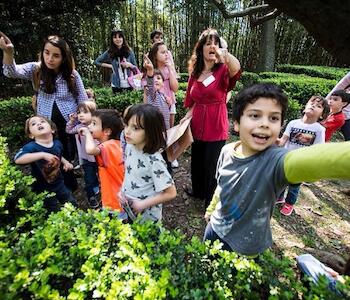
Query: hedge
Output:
(75,254)
(314,71)
(299,88)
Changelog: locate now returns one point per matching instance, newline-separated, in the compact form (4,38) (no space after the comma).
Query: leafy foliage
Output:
(314,71)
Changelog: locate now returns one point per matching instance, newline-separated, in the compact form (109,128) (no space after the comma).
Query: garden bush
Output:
(75,254)
(314,71)
(299,89)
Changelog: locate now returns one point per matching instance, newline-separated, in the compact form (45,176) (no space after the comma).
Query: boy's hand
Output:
(5,43)
(147,63)
(73,117)
(207,217)
(49,157)
(84,131)
(67,165)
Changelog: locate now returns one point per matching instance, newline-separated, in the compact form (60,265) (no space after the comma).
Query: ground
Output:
(319,225)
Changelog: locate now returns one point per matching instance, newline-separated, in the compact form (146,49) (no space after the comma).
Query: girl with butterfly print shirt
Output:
(147,183)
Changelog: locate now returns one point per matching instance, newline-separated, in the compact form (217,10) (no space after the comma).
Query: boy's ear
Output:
(107,131)
(236,126)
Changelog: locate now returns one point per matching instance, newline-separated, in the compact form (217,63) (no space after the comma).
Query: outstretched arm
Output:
(323,161)
(32,157)
(7,47)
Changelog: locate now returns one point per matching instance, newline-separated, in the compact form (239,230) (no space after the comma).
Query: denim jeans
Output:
(90,178)
(53,203)
(211,235)
(292,195)
(313,268)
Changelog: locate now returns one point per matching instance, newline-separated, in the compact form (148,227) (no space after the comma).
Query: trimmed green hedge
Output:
(314,71)
(77,254)
(299,88)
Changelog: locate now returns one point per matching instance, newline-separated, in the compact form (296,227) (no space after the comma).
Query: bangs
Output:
(213,37)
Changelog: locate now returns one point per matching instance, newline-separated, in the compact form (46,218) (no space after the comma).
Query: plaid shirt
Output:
(64,99)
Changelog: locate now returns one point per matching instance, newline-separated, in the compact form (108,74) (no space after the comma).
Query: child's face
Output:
(162,54)
(84,117)
(259,125)
(95,128)
(134,134)
(336,103)
(39,127)
(158,82)
(52,56)
(158,38)
(314,109)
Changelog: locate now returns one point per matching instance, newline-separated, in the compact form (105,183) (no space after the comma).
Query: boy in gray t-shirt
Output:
(252,172)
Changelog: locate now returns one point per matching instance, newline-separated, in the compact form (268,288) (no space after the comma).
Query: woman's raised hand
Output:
(5,43)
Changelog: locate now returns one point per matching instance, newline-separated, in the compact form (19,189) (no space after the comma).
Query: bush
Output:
(75,254)
(300,87)
(314,71)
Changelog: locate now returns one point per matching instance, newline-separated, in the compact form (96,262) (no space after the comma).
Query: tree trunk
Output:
(267,47)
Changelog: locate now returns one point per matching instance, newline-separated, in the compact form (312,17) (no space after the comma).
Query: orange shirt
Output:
(111,173)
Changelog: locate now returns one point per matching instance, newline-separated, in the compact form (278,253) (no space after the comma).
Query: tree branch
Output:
(254,21)
(236,14)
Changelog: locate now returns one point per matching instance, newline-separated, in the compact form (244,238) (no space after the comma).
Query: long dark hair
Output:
(113,50)
(152,55)
(196,62)
(66,68)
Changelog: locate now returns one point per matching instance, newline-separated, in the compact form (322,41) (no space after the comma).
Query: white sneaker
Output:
(175,164)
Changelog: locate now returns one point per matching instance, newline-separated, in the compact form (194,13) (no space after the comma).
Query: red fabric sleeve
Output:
(188,102)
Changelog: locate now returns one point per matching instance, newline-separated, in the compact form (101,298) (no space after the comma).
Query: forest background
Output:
(86,25)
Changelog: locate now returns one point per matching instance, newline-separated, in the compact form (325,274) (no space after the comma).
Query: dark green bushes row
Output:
(299,88)
(314,71)
(77,254)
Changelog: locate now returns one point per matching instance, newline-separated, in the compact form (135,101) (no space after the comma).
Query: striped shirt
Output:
(158,100)
(64,99)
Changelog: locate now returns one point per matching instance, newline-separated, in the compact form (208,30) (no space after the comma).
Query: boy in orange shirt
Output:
(105,127)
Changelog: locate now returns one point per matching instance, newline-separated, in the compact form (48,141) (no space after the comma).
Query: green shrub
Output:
(301,87)
(75,254)
(314,71)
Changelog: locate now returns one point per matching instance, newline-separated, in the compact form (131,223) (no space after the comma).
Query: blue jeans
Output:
(313,268)
(346,130)
(211,235)
(292,195)
(53,203)
(90,178)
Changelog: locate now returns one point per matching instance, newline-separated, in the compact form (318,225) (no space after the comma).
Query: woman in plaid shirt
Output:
(58,86)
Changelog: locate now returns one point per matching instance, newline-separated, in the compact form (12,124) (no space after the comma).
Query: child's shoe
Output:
(280,201)
(287,209)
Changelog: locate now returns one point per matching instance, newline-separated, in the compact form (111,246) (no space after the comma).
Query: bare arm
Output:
(7,47)
(28,158)
(283,140)
(90,145)
(66,164)
(165,196)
